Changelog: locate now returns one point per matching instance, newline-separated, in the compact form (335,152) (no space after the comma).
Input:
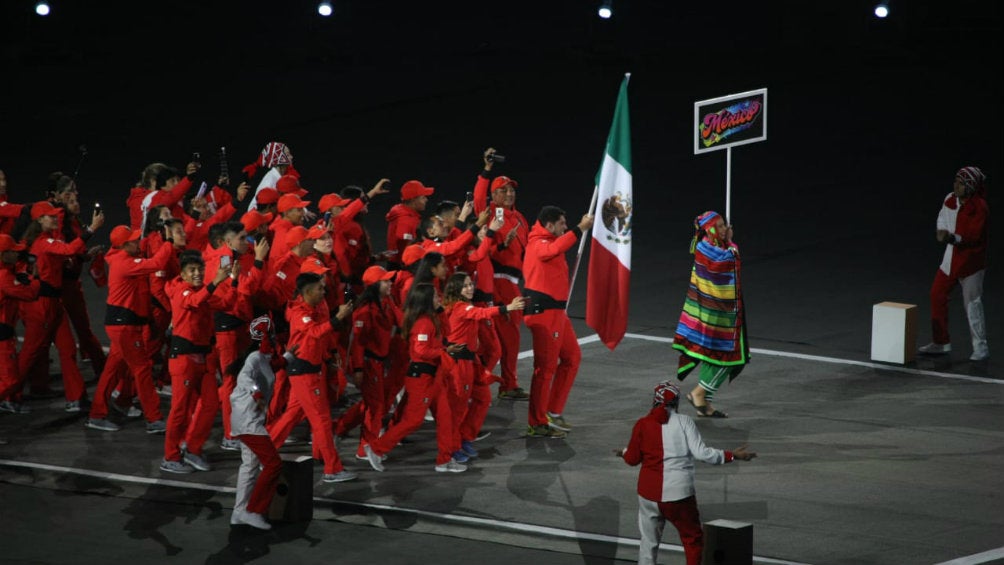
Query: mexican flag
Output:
(610,253)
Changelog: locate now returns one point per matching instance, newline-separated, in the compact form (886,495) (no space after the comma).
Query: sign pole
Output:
(728,186)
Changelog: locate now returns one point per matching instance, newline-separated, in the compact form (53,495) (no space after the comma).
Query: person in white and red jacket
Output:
(963,228)
(666,443)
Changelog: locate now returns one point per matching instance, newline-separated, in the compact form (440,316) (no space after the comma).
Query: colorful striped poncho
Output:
(712,324)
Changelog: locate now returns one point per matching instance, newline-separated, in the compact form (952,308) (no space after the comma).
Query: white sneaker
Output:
(429,417)
(230,444)
(131,412)
(235,517)
(339,477)
(72,407)
(451,466)
(375,460)
(255,520)
(935,349)
(980,355)
(197,461)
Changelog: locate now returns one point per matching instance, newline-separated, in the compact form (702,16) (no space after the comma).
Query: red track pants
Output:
(556,358)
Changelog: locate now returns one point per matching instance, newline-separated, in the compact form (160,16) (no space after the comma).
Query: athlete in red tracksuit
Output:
(507,261)
(470,393)
(231,324)
(159,185)
(374,322)
(308,326)
(425,383)
(194,396)
(351,243)
(556,353)
(16,286)
(403,220)
(43,317)
(127,323)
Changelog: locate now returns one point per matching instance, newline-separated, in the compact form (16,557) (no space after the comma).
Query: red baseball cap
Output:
(313,265)
(123,234)
(501,181)
(414,189)
(412,253)
(375,274)
(290,201)
(7,243)
(317,232)
(290,184)
(254,220)
(295,236)
(43,208)
(329,201)
(267,196)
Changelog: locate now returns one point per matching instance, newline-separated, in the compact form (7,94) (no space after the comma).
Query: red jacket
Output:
(425,344)
(169,198)
(351,242)
(279,227)
(279,284)
(197,231)
(11,293)
(309,327)
(192,313)
(129,285)
(9,214)
(454,249)
(241,310)
(51,253)
(463,319)
(158,279)
(508,257)
(372,325)
(402,228)
(545,266)
(972,225)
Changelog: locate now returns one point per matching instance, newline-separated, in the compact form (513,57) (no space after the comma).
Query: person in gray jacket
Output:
(260,463)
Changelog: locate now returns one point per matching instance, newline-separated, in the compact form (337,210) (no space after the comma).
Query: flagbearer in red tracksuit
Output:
(556,352)
(42,317)
(507,261)
(309,328)
(16,286)
(194,396)
(127,323)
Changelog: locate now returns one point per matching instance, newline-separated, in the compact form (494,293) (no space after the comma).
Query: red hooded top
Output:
(402,228)
(545,266)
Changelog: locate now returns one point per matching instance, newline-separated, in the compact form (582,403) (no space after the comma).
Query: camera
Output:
(196,158)
(26,257)
(350,295)
(327,218)
(97,208)
(495,158)
(469,197)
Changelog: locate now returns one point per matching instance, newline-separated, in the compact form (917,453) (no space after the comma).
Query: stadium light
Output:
(324,8)
(606,10)
(881,10)
(42,8)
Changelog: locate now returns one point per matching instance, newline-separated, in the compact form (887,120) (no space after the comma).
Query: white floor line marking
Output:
(836,360)
(977,558)
(468,520)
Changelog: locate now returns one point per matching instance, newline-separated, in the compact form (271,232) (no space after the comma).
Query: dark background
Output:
(868,120)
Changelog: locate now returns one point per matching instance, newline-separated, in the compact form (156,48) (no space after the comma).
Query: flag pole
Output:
(582,246)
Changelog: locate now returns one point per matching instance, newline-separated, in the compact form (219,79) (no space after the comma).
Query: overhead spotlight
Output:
(324,8)
(42,8)
(881,10)
(606,9)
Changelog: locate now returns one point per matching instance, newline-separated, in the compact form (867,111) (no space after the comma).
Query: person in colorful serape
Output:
(712,328)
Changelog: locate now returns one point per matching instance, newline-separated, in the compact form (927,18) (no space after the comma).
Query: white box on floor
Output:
(894,332)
